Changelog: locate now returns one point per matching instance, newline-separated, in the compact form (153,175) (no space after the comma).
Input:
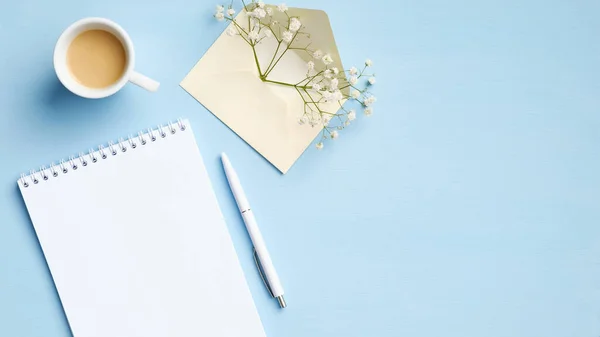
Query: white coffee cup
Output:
(129,75)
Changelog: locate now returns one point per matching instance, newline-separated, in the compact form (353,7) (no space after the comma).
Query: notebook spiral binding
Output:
(83,159)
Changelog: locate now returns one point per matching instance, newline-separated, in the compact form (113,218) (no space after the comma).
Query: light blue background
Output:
(467,206)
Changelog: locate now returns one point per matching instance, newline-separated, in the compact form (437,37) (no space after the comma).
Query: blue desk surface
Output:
(467,206)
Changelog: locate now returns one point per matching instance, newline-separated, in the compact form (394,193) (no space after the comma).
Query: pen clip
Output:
(261,271)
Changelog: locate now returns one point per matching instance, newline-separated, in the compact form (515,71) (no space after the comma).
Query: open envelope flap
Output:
(226,81)
(319,36)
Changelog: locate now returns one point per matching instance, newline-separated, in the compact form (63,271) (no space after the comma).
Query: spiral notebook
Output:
(136,243)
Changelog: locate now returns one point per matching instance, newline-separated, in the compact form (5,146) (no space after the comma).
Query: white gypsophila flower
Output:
(351,115)
(268,33)
(335,70)
(287,36)
(302,120)
(372,80)
(353,71)
(368,62)
(260,4)
(333,84)
(326,119)
(319,146)
(219,8)
(316,86)
(369,100)
(310,65)
(326,95)
(253,35)
(282,7)
(219,16)
(368,111)
(327,59)
(346,123)
(355,94)
(231,31)
(337,96)
(317,54)
(334,134)
(332,96)
(328,73)
(269,11)
(259,13)
(353,80)
(231,12)
(295,24)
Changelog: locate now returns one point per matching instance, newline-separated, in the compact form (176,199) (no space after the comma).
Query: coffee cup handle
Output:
(143,81)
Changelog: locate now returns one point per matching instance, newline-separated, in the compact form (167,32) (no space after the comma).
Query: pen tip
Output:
(281,301)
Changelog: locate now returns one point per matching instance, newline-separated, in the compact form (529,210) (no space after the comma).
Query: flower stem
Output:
(271,29)
(277,82)
(274,55)
(268,71)
(253,45)
(288,84)
(256,61)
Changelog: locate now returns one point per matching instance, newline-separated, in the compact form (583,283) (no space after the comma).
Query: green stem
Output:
(256,61)
(249,25)
(307,103)
(277,82)
(313,101)
(342,107)
(240,29)
(309,78)
(271,29)
(285,51)
(353,87)
(288,84)
(275,54)
(273,67)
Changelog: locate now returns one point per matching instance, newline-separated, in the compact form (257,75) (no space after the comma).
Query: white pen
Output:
(272,280)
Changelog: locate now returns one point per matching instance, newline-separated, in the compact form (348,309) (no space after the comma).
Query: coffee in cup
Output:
(94,58)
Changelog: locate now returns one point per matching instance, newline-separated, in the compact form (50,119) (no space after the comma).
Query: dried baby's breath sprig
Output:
(324,85)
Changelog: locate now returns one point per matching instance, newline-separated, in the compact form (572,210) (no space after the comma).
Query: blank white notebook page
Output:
(136,242)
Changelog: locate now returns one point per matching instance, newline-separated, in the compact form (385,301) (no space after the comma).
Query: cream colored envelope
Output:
(265,115)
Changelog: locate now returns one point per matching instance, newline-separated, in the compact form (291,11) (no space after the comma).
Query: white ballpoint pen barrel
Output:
(263,254)
(270,274)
